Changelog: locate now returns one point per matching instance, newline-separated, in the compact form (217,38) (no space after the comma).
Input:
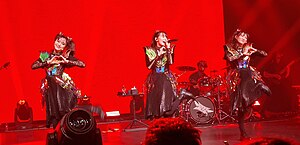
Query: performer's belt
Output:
(53,72)
(242,65)
(160,69)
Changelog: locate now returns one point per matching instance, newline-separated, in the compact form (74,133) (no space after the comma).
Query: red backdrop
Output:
(109,36)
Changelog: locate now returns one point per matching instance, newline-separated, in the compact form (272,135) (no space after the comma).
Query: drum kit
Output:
(211,105)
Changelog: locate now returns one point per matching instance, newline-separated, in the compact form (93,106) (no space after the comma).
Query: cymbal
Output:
(186,68)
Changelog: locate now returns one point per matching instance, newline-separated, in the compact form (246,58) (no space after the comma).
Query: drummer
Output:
(197,76)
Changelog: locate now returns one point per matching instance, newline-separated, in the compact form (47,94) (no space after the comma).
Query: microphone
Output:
(172,40)
(184,92)
(262,52)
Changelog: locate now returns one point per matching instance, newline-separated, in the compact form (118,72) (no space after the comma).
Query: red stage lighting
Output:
(23,115)
(77,127)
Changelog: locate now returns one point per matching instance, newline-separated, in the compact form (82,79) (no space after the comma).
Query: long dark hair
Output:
(70,51)
(233,42)
(156,34)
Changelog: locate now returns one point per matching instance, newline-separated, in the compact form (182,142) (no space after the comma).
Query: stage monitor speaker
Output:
(77,127)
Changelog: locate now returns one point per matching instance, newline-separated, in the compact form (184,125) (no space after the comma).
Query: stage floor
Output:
(113,133)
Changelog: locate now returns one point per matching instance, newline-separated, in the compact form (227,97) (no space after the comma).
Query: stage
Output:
(110,37)
(113,133)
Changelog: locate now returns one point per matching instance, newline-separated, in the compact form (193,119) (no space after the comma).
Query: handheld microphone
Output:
(184,92)
(262,52)
(172,40)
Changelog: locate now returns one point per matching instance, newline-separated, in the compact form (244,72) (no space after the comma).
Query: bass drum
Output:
(200,110)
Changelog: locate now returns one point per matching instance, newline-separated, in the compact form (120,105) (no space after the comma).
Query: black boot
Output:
(266,89)
(241,119)
(244,136)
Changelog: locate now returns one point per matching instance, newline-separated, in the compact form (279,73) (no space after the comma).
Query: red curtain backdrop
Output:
(109,37)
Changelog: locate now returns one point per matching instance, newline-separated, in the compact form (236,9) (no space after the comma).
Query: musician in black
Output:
(277,75)
(161,85)
(58,89)
(245,81)
(196,77)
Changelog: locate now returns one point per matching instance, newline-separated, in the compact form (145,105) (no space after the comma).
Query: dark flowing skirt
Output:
(247,91)
(59,101)
(160,95)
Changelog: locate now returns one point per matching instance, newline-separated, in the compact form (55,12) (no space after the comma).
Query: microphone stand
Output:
(135,120)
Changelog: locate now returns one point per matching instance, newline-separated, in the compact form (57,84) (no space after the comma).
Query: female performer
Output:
(161,85)
(245,82)
(58,89)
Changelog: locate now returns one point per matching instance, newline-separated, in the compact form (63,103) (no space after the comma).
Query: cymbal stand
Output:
(221,115)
